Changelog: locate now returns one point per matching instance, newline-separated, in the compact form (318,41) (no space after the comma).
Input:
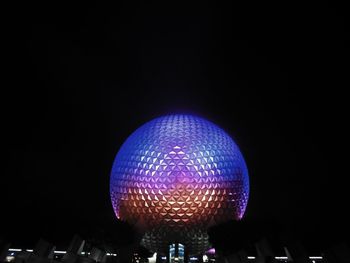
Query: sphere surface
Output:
(176,175)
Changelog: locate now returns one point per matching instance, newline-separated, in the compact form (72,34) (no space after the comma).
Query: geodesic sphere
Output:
(178,173)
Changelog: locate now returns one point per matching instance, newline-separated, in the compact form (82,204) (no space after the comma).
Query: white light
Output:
(316,257)
(56,251)
(153,259)
(251,257)
(9,259)
(281,257)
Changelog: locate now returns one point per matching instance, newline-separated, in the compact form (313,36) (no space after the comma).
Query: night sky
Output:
(80,78)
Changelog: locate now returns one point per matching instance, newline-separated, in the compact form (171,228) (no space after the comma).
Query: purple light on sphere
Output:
(178,174)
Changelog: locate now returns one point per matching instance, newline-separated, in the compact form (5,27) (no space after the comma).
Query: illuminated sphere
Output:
(175,176)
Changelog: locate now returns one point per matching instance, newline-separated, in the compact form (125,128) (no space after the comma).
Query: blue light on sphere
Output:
(175,176)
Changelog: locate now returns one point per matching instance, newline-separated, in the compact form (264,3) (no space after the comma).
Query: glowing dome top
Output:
(179,172)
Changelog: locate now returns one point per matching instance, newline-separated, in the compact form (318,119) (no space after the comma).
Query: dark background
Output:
(80,78)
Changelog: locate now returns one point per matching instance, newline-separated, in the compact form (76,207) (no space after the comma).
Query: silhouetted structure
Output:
(296,252)
(42,253)
(264,251)
(74,250)
(4,247)
(337,254)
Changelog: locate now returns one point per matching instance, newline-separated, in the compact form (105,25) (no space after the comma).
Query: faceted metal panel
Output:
(178,173)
